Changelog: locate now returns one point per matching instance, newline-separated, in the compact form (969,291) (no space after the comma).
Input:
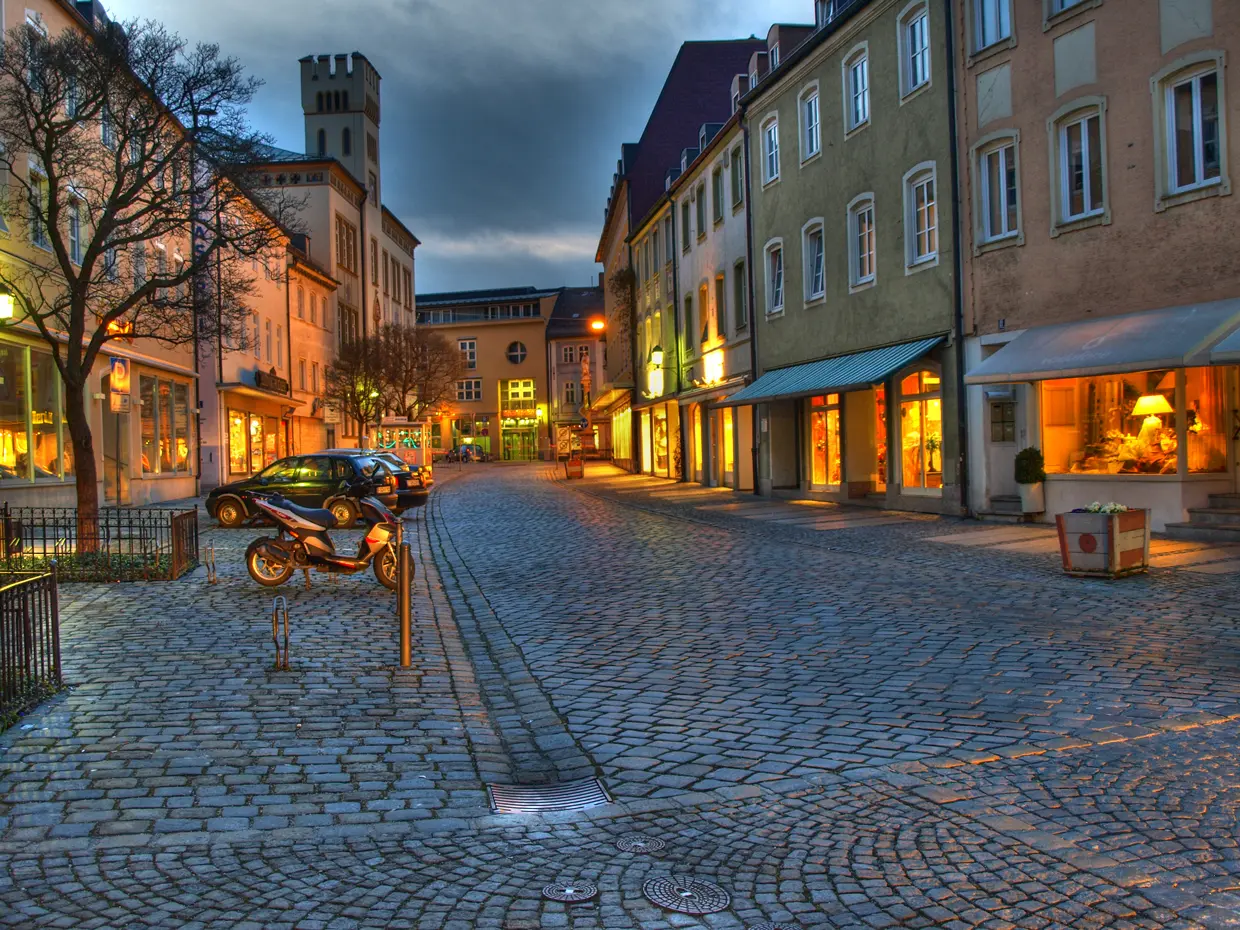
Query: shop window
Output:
(167,435)
(1205,420)
(150,448)
(256,442)
(921,431)
(698,464)
(237,444)
(727,441)
(182,424)
(45,415)
(1002,421)
(827,466)
(660,438)
(880,437)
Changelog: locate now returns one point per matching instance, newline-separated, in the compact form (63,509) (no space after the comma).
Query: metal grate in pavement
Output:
(533,799)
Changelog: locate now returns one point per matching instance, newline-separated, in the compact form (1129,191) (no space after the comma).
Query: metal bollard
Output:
(279,606)
(213,576)
(404,581)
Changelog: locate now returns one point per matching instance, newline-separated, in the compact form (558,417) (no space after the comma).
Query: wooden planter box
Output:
(574,468)
(1105,545)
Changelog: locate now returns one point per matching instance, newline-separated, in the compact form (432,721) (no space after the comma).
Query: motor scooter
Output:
(303,541)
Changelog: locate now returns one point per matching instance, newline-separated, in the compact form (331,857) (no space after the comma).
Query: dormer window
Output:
(774,56)
(736,101)
(822,12)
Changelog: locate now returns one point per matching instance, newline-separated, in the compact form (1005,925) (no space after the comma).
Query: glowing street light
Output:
(597,325)
(6,303)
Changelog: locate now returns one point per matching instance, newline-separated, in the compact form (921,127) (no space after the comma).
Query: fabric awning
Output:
(1175,337)
(1227,352)
(831,375)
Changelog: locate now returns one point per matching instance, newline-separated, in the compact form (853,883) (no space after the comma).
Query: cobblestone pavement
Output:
(851,728)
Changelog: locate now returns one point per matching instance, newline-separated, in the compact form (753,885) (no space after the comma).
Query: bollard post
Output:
(404,577)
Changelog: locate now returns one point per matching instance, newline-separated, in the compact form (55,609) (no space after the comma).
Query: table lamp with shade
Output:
(1152,407)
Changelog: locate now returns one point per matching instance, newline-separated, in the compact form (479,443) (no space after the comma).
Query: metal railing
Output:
(123,544)
(29,641)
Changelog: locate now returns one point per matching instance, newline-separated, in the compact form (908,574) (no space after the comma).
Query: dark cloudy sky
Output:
(502,119)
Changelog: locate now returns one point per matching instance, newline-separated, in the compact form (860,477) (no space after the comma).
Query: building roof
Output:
(467,298)
(843,12)
(697,90)
(573,310)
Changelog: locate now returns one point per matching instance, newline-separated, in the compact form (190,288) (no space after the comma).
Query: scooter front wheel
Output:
(266,571)
(385,568)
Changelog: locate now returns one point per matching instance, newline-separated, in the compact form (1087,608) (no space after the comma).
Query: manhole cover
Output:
(686,895)
(639,843)
(530,799)
(570,892)
(769,926)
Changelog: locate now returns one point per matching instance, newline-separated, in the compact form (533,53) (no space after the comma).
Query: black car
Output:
(310,480)
(413,484)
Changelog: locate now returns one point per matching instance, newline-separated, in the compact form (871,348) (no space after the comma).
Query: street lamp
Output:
(656,356)
(598,325)
(6,303)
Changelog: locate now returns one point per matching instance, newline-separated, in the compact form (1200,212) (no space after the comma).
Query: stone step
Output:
(997,516)
(1214,516)
(1225,501)
(1006,503)
(1203,532)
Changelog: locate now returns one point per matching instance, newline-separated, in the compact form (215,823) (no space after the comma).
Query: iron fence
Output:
(123,544)
(29,641)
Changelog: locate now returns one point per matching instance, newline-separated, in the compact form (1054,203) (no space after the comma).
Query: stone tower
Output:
(340,100)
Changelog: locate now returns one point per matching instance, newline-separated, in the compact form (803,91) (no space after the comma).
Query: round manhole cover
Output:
(639,843)
(686,895)
(769,926)
(569,892)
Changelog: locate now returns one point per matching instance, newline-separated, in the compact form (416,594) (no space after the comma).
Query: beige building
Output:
(501,408)
(576,340)
(1096,144)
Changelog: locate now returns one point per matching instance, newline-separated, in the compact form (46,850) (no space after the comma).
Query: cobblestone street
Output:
(843,718)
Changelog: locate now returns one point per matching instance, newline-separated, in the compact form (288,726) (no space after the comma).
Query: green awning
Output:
(832,375)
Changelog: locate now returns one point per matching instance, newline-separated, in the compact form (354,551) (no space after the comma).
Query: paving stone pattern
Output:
(859,727)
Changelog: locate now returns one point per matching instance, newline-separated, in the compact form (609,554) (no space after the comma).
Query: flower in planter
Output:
(1111,507)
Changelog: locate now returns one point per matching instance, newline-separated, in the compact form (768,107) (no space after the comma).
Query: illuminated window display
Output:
(14,440)
(827,466)
(880,438)
(729,457)
(166,433)
(1129,424)
(237,445)
(660,438)
(921,431)
(697,441)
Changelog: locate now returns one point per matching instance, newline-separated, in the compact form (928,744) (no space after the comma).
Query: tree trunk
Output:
(84,463)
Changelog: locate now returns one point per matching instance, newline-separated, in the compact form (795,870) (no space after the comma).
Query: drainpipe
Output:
(962,407)
(288,343)
(680,367)
(753,315)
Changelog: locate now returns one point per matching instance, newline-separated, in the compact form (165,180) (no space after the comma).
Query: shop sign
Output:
(271,382)
(331,412)
(522,414)
(118,380)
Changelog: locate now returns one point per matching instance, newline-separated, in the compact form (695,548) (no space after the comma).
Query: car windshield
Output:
(371,467)
(285,469)
(392,461)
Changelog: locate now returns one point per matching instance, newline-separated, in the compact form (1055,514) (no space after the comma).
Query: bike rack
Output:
(279,607)
(213,576)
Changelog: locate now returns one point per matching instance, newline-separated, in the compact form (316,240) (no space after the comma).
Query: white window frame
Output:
(1194,79)
(914,178)
(717,196)
(987,145)
(75,230)
(814,291)
(861,205)
(570,393)
(809,120)
(469,352)
(1077,111)
(981,10)
(699,203)
(301,374)
(1162,85)
(776,287)
(910,82)
(770,149)
(736,177)
(857,110)
(469,390)
(568,354)
(773,57)
(40,235)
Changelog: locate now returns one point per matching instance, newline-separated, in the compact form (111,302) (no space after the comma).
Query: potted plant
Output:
(1030,475)
(1105,540)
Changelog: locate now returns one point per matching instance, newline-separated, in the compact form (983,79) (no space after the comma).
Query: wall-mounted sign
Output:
(118,386)
(331,412)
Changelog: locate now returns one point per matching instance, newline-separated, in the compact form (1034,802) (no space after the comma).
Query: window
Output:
(655,253)
(583,351)
(301,303)
(516,352)
(921,431)
(814,260)
(75,231)
(374,188)
(374,261)
(716,193)
(469,352)
(322,142)
(861,241)
(921,222)
(256,343)
(346,245)
(469,389)
(998,192)
(811,143)
(267,341)
(721,307)
(346,143)
(688,325)
(1081,156)
(279,346)
(1131,424)
(827,465)
(774,56)
(774,278)
(770,151)
(314,310)
(38,208)
(34,440)
(138,261)
(700,199)
(314,377)
(740,295)
(915,49)
(570,392)
(857,87)
(167,433)
(738,179)
(669,238)
(301,374)
(1194,143)
(706,312)
(386,282)
(1058,6)
(992,23)
(111,264)
(684,225)
(568,354)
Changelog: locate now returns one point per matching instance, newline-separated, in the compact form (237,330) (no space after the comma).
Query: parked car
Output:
(318,481)
(413,484)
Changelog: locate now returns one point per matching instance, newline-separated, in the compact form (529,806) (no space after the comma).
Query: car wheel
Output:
(344,512)
(230,513)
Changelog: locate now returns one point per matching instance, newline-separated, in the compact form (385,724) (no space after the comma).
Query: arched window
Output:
(318,99)
(322,142)
(346,100)
(346,143)
(336,101)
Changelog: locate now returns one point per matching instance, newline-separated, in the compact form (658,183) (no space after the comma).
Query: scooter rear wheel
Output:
(265,571)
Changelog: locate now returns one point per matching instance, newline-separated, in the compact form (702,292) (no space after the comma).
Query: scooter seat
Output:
(323,517)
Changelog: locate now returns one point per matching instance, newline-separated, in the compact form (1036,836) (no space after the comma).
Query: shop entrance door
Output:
(115,451)
(519,445)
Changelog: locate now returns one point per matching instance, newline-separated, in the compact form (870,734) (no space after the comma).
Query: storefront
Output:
(520,419)
(1136,409)
(256,425)
(720,438)
(660,439)
(825,428)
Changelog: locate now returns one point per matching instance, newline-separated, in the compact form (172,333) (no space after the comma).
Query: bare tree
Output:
(421,368)
(357,380)
(112,142)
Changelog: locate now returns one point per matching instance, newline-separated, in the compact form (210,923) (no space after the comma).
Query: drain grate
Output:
(639,843)
(533,799)
(686,895)
(569,892)
(772,927)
